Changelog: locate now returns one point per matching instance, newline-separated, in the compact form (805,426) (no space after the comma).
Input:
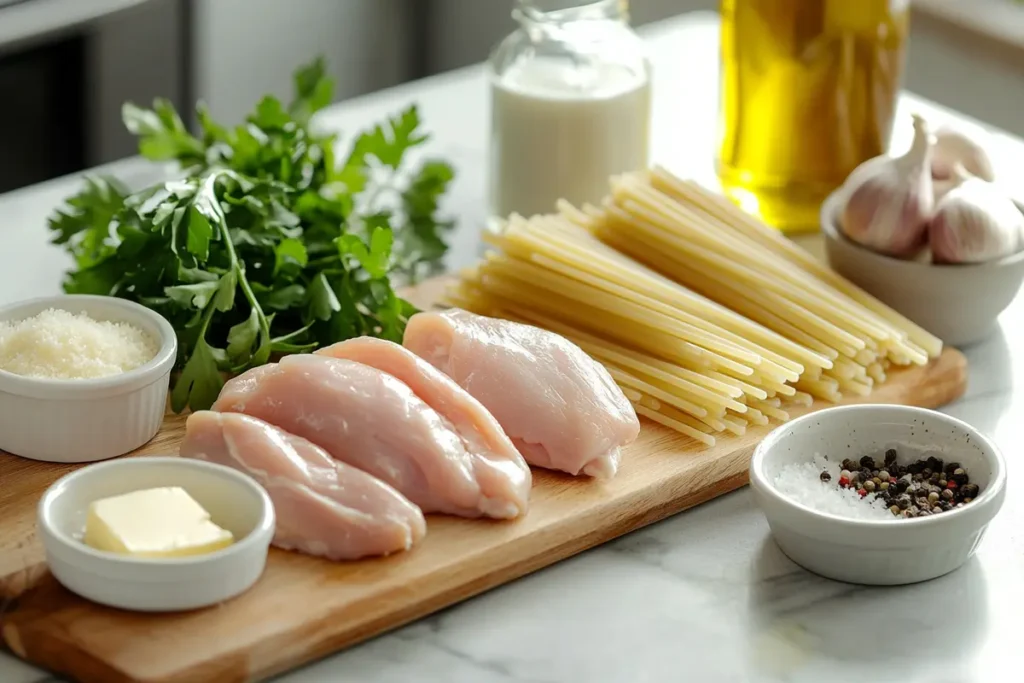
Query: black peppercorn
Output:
(934,478)
(951,467)
(934,464)
(960,477)
(915,467)
(825,476)
(901,470)
(890,456)
(865,474)
(901,486)
(867,462)
(970,490)
(851,465)
(926,473)
(903,501)
(945,506)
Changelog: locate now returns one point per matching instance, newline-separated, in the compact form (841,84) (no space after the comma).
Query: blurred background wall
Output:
(66,66)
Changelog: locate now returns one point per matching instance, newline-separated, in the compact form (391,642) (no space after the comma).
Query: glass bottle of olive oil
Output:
(808,92)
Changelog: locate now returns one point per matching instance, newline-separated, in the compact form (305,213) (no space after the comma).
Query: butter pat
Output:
(160,522)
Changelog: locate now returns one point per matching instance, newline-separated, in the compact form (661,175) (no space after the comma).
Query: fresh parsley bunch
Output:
(267,244)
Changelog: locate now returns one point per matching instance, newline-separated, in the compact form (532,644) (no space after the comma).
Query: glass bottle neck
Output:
(565,11)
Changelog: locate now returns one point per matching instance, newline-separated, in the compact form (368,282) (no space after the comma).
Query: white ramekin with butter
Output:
(155,549)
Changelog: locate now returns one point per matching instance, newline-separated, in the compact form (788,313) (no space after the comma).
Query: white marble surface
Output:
(705,596)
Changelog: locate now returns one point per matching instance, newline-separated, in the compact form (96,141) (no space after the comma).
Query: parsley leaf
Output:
(313,91)
(199,234)
(200,381)
(374,259)
(290,253)
(162,134)
(192,296)
(323,302)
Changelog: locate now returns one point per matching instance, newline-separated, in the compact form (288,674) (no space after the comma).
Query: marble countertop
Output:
(704,596)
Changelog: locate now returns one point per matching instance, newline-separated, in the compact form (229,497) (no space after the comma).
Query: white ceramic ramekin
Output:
(87,419)
(878,552)
(234,500)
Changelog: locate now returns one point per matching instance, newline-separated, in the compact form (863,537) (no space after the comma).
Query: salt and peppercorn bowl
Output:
(84,420)
(960,304)
(234,500)
(880,552)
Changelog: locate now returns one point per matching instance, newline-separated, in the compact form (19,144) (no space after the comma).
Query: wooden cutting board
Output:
(304,608)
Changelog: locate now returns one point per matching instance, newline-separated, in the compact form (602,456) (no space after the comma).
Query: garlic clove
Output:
(889,201)
(975,222)
(942,186)
(953,147)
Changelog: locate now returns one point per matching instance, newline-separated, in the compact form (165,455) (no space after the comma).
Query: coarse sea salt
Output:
(801,483)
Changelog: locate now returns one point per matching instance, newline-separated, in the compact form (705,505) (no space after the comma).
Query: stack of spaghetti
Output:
(709,320)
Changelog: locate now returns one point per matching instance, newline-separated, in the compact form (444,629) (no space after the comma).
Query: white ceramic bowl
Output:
(878,552)
(84,420)
(957,303)
(234,500)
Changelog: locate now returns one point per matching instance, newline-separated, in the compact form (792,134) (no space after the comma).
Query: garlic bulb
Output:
(954,147)
(975,222)
(889,201)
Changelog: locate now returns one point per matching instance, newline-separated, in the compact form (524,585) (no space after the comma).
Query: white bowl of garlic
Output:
(931,235)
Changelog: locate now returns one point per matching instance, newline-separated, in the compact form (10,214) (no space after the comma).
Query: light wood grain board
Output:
(304,608)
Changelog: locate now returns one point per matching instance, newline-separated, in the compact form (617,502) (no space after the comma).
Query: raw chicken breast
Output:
(503,475)
(371,420)
(561,407)
(323,506)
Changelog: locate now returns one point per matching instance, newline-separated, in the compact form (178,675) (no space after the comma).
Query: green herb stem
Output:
(243,281)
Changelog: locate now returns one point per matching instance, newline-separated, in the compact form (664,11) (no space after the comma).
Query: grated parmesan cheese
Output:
(57,344)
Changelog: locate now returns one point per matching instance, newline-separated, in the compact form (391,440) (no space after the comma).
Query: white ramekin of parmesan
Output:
(82,378)
(878,494)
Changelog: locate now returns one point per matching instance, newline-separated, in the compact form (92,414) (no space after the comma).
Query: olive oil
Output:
(808,92)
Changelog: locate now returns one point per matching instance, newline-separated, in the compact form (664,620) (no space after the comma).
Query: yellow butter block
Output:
(159,522)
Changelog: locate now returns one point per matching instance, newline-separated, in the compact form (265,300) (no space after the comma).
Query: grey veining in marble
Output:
(703,597)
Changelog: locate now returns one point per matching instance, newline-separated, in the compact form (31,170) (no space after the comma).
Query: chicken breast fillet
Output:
(502,472)
(561,408)
(323,507)
(371,420)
